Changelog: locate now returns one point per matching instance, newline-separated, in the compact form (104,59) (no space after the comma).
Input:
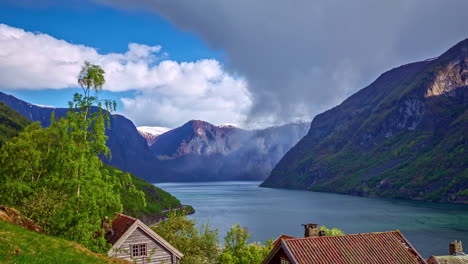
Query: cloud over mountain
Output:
(168,92)
(302,57)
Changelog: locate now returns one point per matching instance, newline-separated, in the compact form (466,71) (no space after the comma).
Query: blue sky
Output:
(106,29)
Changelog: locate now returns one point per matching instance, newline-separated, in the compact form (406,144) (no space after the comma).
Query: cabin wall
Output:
(157,254)
(278,256)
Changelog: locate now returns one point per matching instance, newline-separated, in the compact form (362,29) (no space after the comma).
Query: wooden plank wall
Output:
(156,252)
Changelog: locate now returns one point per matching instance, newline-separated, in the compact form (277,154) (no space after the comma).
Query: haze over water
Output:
(269,213)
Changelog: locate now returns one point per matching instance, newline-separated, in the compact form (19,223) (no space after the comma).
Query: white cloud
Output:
(170,93)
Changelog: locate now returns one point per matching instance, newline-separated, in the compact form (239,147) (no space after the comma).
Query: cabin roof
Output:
(376,248)
(281,237)
(120,225)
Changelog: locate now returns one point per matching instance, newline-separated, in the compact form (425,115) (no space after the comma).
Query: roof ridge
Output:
(370,233)
(126,216)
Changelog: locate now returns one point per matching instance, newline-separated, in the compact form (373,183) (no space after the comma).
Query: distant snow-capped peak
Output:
(153,131)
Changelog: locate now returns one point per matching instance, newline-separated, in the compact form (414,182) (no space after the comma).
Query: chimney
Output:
(456,248)
(310,230)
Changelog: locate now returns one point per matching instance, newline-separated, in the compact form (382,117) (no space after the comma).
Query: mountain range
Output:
(200,151)
(196,151)
(403,136)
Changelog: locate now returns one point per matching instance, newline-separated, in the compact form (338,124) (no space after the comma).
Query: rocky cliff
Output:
(403,136)
(200,151)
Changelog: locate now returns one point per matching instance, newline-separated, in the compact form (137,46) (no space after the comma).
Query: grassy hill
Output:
(19,245)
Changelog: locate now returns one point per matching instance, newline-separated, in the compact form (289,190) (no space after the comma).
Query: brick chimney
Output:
(456,248)
(310,230)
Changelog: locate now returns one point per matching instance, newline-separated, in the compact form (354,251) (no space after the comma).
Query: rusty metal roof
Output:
(120,225)
(376,248)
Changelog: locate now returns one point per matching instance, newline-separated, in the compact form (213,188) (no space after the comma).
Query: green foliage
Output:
(91,77)
(11,123)
(19,245)
(332,232)
(142,199)
(199,245)
(54,175)
(237,250)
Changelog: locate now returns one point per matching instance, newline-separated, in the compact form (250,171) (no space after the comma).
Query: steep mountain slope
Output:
(11,123)
(200,151)
(129,149)
(404,136)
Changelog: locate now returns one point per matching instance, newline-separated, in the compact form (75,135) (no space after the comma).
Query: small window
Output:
(283,261)
(139,250)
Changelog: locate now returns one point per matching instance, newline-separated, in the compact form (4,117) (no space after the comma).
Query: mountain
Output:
(11,123)
(196,151)
(130,151)
(403,136)
(151,133)
(198,138)
(200,151)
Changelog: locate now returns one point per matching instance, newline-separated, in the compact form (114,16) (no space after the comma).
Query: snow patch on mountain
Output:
(151,133)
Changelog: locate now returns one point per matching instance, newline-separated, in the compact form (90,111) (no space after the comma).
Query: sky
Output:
(247,63)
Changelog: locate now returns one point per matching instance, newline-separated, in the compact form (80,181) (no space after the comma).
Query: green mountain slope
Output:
(11,123)
(403,136)
(157,200)
(19,245)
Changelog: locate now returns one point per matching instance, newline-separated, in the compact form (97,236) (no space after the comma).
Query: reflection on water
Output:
(269,213)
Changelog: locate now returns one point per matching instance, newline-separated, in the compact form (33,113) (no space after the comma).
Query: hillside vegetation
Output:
(55,175)
(403,136)
(11,123)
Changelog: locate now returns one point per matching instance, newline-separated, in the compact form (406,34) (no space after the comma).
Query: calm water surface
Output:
(269,213)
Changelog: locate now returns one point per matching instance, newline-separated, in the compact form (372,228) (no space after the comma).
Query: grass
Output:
(19,245)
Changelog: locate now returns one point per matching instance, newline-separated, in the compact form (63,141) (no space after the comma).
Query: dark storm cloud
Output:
(302,57)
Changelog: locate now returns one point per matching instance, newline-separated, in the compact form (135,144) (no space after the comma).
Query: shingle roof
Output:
(281,237)
(120,225)
(375,248)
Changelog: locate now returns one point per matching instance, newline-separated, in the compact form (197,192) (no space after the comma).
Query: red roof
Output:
(376,248)
(281,237)
(120,225)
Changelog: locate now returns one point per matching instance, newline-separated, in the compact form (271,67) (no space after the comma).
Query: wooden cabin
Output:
(376,248)
(132,240)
